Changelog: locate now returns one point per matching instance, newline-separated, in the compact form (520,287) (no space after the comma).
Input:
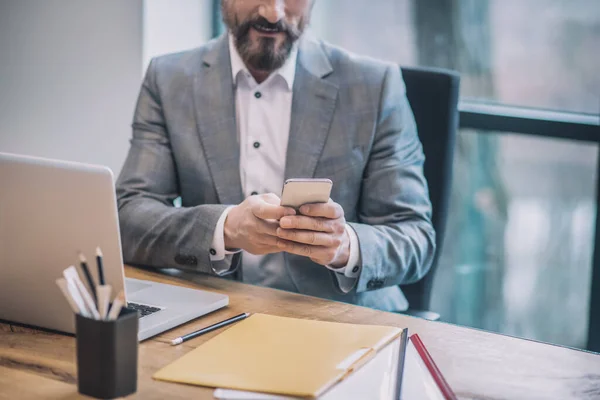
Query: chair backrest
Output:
(433,97)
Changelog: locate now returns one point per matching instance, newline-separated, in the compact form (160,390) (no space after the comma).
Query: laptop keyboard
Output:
(144,309)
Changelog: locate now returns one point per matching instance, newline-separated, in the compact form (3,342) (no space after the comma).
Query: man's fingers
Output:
(307,223)
(299,248)
(271,198)
(319,254)
(309,237)
(266,227)
(264,210)
(268,241)
(329,210)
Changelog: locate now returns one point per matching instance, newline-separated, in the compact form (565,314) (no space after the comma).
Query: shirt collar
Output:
(287,70)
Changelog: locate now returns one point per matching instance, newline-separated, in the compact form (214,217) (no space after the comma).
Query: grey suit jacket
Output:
(351,122)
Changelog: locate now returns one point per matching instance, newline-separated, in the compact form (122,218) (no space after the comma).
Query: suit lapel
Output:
(313,105)
(214,103)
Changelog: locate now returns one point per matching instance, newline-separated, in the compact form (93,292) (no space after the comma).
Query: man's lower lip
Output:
(265,32)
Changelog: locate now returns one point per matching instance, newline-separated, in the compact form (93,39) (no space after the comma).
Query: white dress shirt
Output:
(263,114)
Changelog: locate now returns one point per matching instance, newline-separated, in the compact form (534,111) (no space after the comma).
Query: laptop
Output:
(49,211)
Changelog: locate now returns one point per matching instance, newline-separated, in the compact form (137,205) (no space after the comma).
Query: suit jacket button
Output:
(355,269)
(183,259)
(213,252)
(375,284)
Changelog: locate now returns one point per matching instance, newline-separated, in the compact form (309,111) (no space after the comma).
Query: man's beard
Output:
(264,55)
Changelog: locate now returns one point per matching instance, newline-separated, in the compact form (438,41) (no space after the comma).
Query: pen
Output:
(100,266)
(211,328)
(88,277)
(400,368)
(435,372)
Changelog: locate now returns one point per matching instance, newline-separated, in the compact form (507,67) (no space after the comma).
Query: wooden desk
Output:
(478,365)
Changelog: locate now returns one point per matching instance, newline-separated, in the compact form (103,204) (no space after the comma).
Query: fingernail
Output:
(305,209)
(280,243)
(279,231)
(290,211)
(285,223)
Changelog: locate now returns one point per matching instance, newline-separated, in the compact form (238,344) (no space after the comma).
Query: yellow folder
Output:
(279,355)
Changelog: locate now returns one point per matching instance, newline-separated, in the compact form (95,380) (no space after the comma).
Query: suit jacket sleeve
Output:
(396,238)
(153,231)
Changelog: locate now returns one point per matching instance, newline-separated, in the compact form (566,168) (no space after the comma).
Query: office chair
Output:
(433,97)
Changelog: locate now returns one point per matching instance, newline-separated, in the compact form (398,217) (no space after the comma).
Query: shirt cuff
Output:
(217,247)
(347,276)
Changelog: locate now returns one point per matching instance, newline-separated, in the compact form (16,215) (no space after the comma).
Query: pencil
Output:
(100,266)
(211,328)
(88,277)
(116,307)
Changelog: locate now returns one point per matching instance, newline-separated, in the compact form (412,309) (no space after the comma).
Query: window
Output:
(519,243)
(517,258)
(535,53)
(518,253)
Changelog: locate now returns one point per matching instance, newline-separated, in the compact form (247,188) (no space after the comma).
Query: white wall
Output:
(70,70)
(69,78)
(175,25)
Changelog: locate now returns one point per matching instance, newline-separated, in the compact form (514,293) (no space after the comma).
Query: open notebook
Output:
(375,380)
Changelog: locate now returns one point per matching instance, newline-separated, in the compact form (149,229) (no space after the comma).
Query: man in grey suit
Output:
(223,126)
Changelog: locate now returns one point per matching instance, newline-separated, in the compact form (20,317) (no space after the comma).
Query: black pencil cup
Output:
(107,355)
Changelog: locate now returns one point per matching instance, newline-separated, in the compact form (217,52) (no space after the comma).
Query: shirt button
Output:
(253,193)
(256,145)
(258,95)
(213,252)
(355,269)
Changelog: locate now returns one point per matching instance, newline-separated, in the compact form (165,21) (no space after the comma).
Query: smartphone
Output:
(297,192)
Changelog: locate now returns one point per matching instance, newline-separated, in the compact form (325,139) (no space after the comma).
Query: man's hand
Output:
(319,234)
(252,225)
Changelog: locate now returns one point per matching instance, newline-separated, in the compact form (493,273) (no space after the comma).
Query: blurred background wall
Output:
(70,70)
(171,26)
(69,75)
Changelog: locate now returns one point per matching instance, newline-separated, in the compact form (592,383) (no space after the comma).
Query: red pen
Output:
(433,368)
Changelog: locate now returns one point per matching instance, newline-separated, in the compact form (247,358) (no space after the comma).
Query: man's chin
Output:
(257,38)
(260,66)
(255,46)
